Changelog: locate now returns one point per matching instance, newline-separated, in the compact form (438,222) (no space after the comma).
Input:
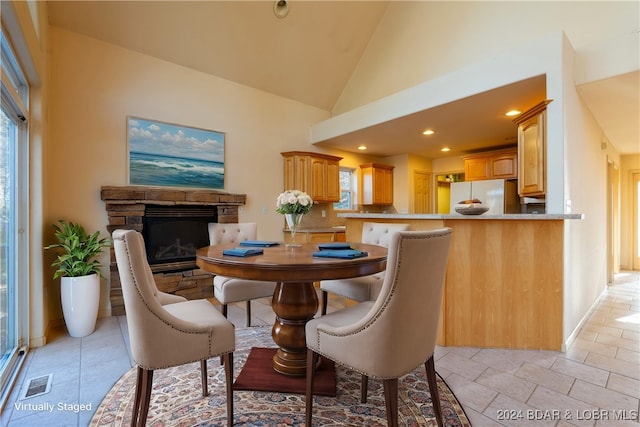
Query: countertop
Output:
(456,216)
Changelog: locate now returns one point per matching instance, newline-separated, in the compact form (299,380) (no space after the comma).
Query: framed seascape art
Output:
(164,154)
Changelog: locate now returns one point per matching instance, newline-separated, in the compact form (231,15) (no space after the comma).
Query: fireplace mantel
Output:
(126,205)
(162,195)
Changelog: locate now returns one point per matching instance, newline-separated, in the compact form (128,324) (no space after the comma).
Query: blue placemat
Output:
(261,243)
(242,252)
(334,246)
(345,253)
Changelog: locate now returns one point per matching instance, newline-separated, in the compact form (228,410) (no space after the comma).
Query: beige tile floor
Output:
(595,383)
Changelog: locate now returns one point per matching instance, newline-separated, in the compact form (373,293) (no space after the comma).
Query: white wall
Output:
(542,57)
(95,86)
(418,41)
(585,182)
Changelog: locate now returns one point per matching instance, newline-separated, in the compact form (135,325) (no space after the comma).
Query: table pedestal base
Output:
(294,305)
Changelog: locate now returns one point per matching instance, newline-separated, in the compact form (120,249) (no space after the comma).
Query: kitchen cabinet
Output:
(316,174)
(532,150)
(316,236)
(476,168)
(502,164)
(376,184)
(505,165)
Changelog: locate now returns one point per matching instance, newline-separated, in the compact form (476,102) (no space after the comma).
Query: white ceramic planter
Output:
(80,300)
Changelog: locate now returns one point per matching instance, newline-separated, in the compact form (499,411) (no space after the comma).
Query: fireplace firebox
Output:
(172,234)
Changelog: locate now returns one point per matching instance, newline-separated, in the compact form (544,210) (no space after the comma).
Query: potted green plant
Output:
(80,273)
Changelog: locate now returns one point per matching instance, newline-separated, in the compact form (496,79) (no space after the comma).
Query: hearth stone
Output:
(126,207)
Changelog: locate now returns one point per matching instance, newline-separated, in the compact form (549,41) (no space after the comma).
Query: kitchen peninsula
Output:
(504,283)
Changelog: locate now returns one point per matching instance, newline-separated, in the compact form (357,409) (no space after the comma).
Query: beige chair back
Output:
(393,335)
(367,287)
(379,233)
(228,289)
(139,292)
(150,325)
(220,233)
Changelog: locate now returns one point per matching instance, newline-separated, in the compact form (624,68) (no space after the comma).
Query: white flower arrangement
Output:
(294,202)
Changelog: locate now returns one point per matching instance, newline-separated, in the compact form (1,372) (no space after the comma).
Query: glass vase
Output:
(293,222)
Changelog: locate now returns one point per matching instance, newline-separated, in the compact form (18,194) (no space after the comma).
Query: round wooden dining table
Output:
(295,300)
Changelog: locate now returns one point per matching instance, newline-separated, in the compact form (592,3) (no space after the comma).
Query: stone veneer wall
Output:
(126,207)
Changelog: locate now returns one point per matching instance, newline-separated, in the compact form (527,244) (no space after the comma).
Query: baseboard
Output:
(53,324)
(574,334)
(38,342)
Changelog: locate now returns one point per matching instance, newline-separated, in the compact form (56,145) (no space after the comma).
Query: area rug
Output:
(258,374)
(176,398)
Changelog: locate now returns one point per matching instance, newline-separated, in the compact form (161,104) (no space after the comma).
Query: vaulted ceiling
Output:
(309,56)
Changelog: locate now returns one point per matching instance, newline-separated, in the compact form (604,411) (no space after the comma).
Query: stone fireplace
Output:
(182,214)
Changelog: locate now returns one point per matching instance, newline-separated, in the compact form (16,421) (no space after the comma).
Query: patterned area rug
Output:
(176,398)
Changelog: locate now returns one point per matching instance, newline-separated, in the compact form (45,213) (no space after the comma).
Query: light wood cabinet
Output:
(476,168)
(532,150)
(376,184)
(315,236)
(505,165)
(316,174)
(501,164)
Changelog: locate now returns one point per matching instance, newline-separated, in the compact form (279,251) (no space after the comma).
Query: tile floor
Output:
(595,383)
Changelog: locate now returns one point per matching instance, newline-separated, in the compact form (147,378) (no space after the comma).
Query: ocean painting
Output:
(176,156)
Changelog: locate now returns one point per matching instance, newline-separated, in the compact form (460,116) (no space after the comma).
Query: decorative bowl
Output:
(471,209)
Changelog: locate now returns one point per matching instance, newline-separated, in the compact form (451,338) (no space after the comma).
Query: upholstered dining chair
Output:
(173,334)
(391,336)
(228,290)
(365,288)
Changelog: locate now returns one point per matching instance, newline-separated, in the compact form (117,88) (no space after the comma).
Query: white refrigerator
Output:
(499,195)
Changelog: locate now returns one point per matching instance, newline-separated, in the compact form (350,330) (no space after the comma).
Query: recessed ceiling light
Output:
(362,147)
(512,113)
(428,132)
(445,149)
